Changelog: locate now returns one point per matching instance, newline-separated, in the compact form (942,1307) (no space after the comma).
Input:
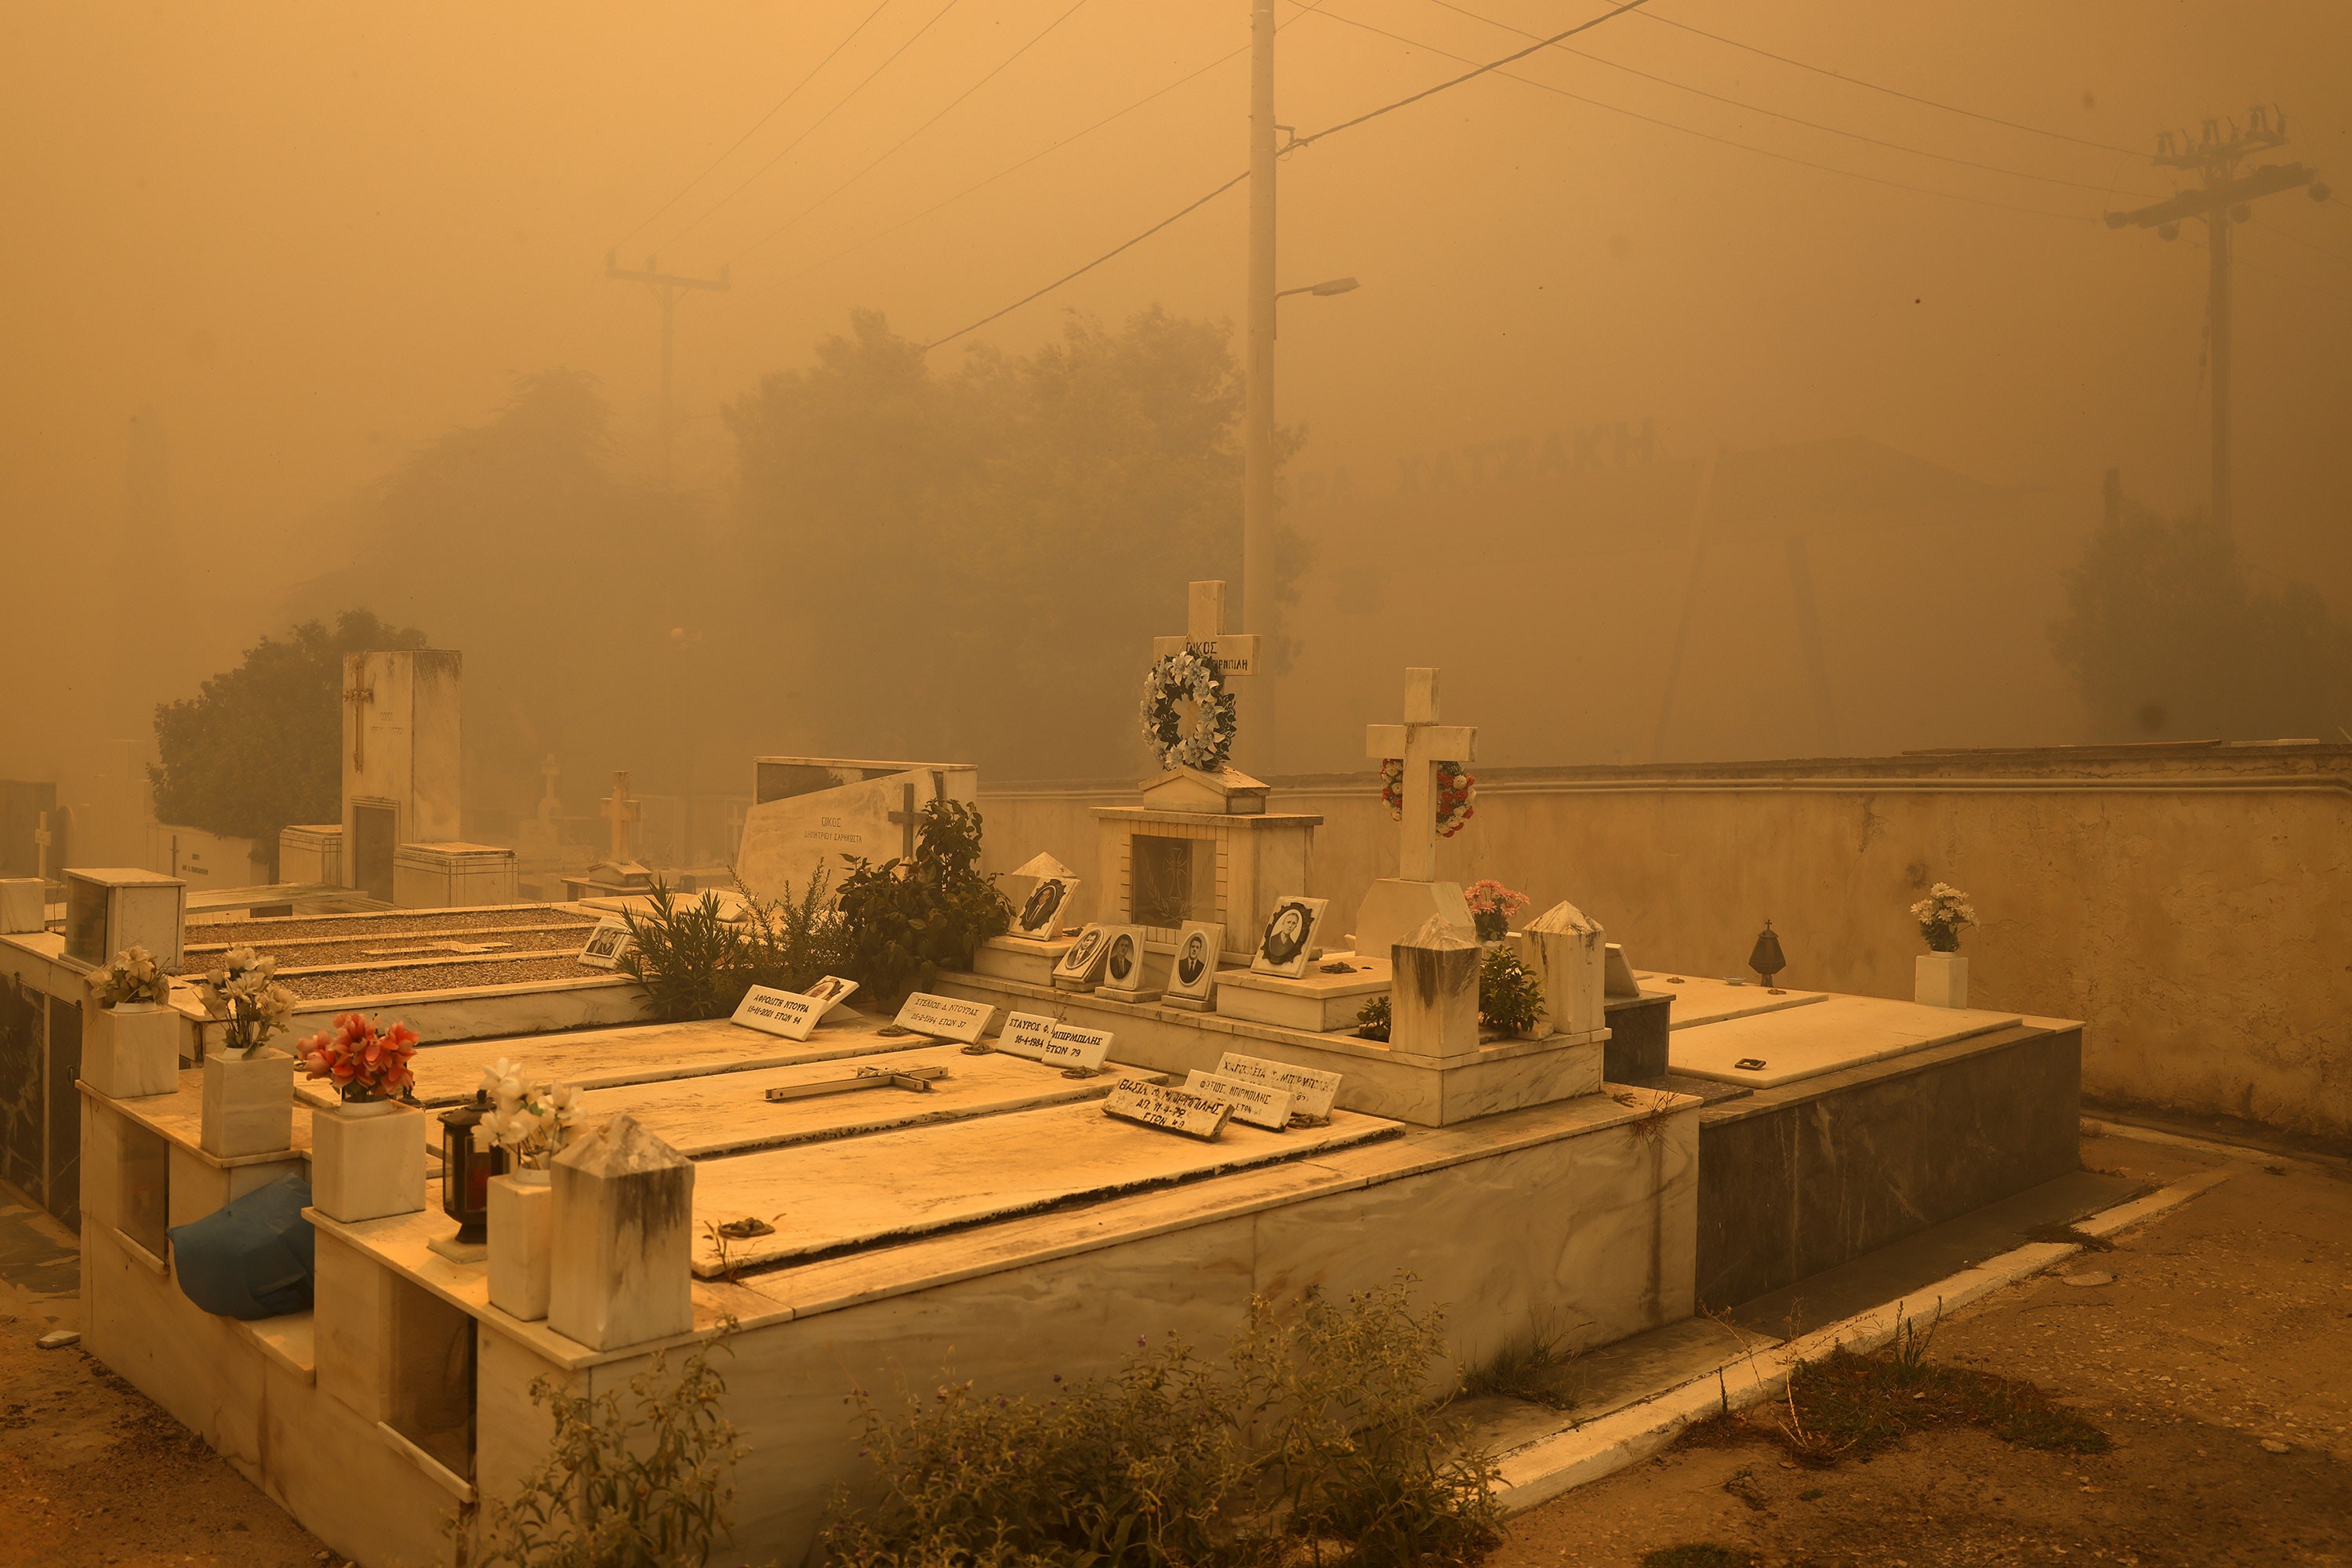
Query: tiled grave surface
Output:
(1830,1034)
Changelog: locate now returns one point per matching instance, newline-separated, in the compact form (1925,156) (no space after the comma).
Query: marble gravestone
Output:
(621,1254)
(809,812)
(400,760)
(1396,907)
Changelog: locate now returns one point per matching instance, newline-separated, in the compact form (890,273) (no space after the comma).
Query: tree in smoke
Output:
(258,747)
(968,555)
(2168,640)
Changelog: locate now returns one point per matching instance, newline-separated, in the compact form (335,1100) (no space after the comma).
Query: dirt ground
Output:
(2218,1361)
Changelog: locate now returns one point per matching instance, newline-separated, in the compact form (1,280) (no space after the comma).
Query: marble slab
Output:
(1702,999)
(1838,1032)
(822,1197)
(1314,1002)
(600,1058)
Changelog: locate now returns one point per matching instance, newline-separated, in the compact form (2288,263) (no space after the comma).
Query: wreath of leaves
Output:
(1457,792)
(1209,741)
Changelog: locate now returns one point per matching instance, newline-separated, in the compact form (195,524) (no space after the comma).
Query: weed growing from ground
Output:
(1527,1368)
(1312,1440)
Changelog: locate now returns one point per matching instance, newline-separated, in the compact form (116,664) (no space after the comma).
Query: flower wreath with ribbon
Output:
(1456,793)
(1198,677)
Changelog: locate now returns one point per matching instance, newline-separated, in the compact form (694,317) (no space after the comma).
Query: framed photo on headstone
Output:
(1287,941)
(1193,973)
(607,944)
(1122,967)
(1084,960)
(1040,917)
(830,993)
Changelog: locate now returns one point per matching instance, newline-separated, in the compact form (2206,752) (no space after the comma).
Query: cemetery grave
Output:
(1033,1162)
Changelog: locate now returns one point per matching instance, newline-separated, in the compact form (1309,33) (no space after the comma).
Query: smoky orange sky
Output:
(310,236)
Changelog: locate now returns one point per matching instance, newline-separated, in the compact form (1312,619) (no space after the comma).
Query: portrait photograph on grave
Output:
(1192,973)
(607,944)
(1040,916)
(830,993)
(1079,966)
(1288,941)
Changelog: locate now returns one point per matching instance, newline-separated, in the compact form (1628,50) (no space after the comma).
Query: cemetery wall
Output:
(2193,905)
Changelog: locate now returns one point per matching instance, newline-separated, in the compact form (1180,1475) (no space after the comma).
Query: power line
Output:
(2307,245)
(1089,267)
(1894,91)
(772,110)
(1014,168)
(1702,135)
(820,120)
(911,135)
(1791,119)
(1472,75)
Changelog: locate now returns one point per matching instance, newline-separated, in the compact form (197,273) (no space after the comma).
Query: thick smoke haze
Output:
(261,257)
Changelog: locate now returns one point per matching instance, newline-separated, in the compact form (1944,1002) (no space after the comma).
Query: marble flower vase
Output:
(367,1159)
(521,1234)
(248,1103)
(131,1049)
(1941,980)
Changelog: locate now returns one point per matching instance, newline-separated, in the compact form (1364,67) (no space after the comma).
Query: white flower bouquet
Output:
(1942,915)
(242,991)
(530,1121)
(133,977)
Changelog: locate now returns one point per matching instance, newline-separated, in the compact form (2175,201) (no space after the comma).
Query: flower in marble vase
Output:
(1942,915)
(242,991)
(363,1062)
(1492,906)
(531,1122)
(133,977)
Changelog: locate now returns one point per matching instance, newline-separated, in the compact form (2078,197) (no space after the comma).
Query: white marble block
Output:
(1941,980)
(521,1227)
(248,1103)
(1434,1005)
(109,909)
(21,910)
(131,1050)
(367,1159)
(620,1255)
(1568,952)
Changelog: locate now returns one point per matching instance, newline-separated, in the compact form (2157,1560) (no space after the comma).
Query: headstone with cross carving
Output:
(402,744)
(1396,907)
(807,812)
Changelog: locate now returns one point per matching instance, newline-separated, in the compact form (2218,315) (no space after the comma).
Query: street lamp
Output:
(1326,288)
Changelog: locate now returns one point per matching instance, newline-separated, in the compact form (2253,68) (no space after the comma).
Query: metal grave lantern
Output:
(465,1171)
(1767,960)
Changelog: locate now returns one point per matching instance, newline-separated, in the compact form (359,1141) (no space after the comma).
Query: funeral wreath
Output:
(1182,677)
(1456,790)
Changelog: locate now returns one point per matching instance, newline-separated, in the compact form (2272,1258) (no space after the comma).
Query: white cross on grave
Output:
(42,839)
(1204,632)
(1423,744)
(622,811)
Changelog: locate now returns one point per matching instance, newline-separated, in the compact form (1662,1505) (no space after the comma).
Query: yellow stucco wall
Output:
(2192,905)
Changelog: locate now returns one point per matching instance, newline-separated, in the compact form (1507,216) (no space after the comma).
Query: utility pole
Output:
(666,286)
(2225,197)
(1257,403)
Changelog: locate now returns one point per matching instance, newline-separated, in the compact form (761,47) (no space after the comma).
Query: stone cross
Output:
(1423,743)
(1205,633)
(908,817)
(623,812)
(359,698)
(549,807)
(42,839)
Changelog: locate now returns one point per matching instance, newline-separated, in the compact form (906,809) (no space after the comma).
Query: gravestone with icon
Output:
(1200,849)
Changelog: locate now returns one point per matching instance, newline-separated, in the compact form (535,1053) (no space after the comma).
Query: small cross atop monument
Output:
(1423,743)
(909,818)
(359,698)
(622,811)
(1204,632)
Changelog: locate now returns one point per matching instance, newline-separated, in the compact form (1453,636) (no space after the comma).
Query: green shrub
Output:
(905,919)
(1510,999)
(692,961)
(1373,1018)
(651,1491)
(791,943)
(1314,1433)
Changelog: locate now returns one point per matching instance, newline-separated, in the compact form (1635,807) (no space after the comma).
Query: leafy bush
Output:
(1510,999)
(692,961)
(791,943)
(1373,1018)
(1314,1433)
(905,919)
(655,1490)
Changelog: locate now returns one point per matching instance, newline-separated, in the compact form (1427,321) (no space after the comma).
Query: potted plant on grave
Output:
(131,1038)
(531,1122)
(367,1155)
(1492,907)
(1940,976)
(1510,997)
(248,1086)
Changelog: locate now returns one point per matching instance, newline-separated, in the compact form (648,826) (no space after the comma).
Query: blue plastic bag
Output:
(253,1258)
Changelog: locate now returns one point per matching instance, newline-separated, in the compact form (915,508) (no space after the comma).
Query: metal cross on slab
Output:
(1423,744)
(907,816)
(622,811)
(918,1079)
(1205,633)
(360,698)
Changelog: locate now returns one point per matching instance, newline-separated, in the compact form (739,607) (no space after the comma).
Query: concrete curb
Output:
(1537,1471)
